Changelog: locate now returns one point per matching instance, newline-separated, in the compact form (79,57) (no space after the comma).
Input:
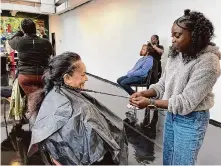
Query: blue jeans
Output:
(183,137)
(125,83)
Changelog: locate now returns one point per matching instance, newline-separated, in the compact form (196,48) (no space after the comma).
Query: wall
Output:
(108,34)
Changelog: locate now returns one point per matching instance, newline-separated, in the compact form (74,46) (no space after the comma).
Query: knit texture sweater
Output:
(188,86)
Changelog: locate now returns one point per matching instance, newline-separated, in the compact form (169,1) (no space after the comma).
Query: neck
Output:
(30,34)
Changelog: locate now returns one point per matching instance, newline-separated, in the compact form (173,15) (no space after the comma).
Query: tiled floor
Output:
(145,139)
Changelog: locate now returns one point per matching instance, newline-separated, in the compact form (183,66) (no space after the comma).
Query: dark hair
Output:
(202,31)
(28,26)
(58,67)
(53,76)
(158,39)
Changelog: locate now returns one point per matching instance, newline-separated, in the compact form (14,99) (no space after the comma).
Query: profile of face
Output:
(181,38)
(143,51)
(154,39)
(78,78)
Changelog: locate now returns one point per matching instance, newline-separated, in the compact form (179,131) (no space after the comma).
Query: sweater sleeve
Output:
(202,79)
(143,70)
(159,87)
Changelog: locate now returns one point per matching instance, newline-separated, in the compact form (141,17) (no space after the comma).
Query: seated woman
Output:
(73,127)
(138,74)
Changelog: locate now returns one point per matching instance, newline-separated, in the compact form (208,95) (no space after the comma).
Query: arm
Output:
(144,70)
(13,42)
(159,87)
(149,93)
(201,82)
(155,91)
(143,102)
(159,50)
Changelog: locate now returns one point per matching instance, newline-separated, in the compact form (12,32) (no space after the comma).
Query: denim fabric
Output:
(183,137)
(125,83)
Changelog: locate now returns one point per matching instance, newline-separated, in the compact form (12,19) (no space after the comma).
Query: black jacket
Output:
(33,53)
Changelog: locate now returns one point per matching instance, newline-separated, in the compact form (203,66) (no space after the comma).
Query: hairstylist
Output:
(185,88)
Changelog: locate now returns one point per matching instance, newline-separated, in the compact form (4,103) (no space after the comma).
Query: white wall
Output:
(108,34)
(29,6)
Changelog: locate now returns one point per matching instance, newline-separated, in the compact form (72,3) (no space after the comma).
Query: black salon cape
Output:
(76,129)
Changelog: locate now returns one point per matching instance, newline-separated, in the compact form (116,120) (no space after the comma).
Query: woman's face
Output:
(154,40)
(78,78)
(181,38)
(144,50)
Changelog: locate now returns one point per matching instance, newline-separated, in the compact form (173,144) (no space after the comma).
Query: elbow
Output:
(159,91)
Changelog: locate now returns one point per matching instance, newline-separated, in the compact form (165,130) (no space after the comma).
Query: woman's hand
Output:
(154,46)
(137,94)
(140,102)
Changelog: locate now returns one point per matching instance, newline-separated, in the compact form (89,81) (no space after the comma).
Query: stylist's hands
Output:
(154,46)
(137,94)
(140,102)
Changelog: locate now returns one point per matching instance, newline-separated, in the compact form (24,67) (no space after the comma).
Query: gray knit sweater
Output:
(188,87)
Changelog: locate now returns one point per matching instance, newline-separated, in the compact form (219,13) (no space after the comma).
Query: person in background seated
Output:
(138,74)
(33,56)
(158,52)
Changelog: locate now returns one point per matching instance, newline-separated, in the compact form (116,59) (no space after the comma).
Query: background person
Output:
(33,56)
(158,52)
(138,74)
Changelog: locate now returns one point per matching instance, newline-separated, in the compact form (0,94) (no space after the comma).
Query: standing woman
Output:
(185,88)
(33,56)
(157,53)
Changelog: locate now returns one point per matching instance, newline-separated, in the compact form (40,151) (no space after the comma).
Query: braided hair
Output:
(202,31)
(53,77)
(58,67)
